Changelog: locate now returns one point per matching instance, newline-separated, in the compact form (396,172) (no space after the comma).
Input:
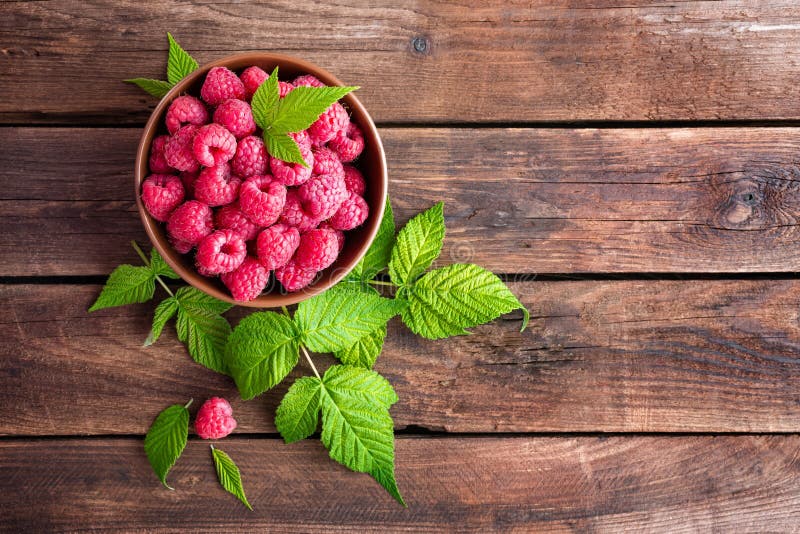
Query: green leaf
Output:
(190,297)
(365,351)
(126,285)
(337,318)
(283,147)
(179,63)
(261,351)
(298,414)
(201,327)
(302,107)
(380,252)
(160,267)
(265,100)
(166,440)
(357,429)
(228,475)
(156,88)
(164,312)
(446,301)
(418,245)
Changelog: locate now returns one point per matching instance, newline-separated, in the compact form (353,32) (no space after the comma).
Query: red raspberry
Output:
(237,117)
(294,214)
(331,122)
(348,144)
(188,224)
(317,250)
(352,213)
(162,193)
(276,245)
(251,157)
(248,281)
(354,180)
(252,78)
(322,195)
(293,173)
(214,419)
(213,145)
(188,179)
(181,247)
(302,139)
(307,80)
(262,198)
(220,85)
(158,162)
(231,217)
(293,277)
(185,110)
(339,234)
(178,150)
(221,252)
(284,88)
(326,162)
(215,186)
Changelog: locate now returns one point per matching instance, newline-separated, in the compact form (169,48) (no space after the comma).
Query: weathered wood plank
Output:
(649,356)
(653,484)
(551,200)
(421,61)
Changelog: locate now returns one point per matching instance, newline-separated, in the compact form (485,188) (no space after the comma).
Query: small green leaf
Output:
(298,414)
(265,101)
(380,252)
(365,351)
(283,147)
(201,327)
(179,63)
(156,88)
(164,312)
(126,285)
(363,384)
(166,440)
(418,245)
(229,476)
(302,107)
(160,267)
(190,297)
(261,351)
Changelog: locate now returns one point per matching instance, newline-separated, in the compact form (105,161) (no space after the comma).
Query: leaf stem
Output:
(188,404)
(379,283)
(141,254)
(308,358)
(286,311)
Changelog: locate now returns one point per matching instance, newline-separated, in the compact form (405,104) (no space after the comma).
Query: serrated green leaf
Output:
(160,267)
(337,318)
(380,252)
(261,351)
(229,476)
(156,88)
(164,312)
(298,414)
(357,429)
(179,63)
(283,147)
(302,107)
(365,351)
(446,301)
(201,327)
(190,297)
(360,383)
(166,440)
(126,285)
(265,101)
(418,245)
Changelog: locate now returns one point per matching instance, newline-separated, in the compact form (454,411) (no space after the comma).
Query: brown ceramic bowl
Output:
(372,164)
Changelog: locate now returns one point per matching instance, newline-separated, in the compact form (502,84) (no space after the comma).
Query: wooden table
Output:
(632,169)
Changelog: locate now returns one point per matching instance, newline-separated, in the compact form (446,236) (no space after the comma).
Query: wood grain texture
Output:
(537,201)
(510,61)
(646,356)
(637,484)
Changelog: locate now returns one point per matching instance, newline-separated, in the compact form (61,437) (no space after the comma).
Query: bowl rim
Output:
(194,279)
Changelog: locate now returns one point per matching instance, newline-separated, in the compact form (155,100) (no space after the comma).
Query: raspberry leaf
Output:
(261,351)
(446,301)
(358,383)
(201,327)
(303,105)
(298,414)
(164,312)
(365,351)
(283,147)
(160,267)
(190,297)
(166,440)
(380,252)
(179,63)
(265,101)
(418,245)
(126,285)
(229,476)
(156,88)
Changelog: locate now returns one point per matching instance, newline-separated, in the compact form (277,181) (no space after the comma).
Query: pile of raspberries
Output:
(243,212)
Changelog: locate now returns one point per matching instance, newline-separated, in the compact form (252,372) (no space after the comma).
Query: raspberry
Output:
(221,252)
(262,199)
(213,145)
(237,117)
(302,139)
(214,419)
(276,245)
(251,157)
(353,212)
(215,186)
(284,88)
(252,78)
(231,217)
(188,179)
(322,195)
(331,122)
(182,247)
(248,281)
(162,193)
(348,144)
(326,162)
(178,150)
(308,80)
(294,214)
(354,180)
(317,250)
(293,173)
(188,224)
(339,234)
(293,277)
(220,85)
(185,110)
(158,162)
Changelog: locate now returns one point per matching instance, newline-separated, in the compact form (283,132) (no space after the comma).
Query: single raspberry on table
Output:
(247,281)
(293,277)
(295,215)
(188,179)
(326,162)
(348,144)
(322,195)
(262,198)
(329,124)
(161,194)
(252,78)
(221,252)
(352,213)
(158,161)
(318,249)
(237,117)
(213,145)
(307,80)
(231,217)
(214,419)
(220,85)
(354,180)
(185,110)
(216,186)
(276,245)
(251,157)
(189,224)
(178,151)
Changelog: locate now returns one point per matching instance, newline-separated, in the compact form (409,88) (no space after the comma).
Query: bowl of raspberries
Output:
(234,220)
